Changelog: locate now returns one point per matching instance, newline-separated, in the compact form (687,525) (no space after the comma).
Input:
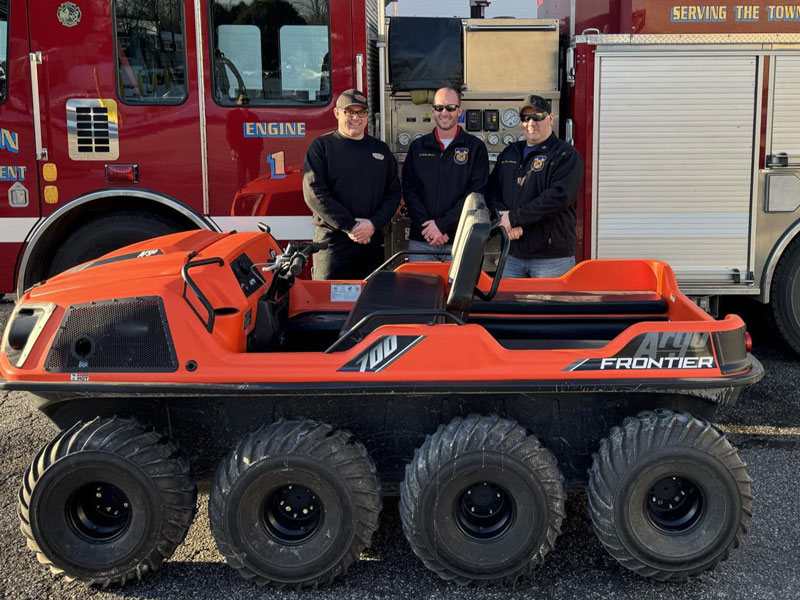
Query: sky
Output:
(520,9)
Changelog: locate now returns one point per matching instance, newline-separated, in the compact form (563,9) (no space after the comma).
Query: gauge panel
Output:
(510,117)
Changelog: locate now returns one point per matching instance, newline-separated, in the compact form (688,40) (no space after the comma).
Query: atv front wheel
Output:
(294,504)
(106,501)
(669,496)
(482,501)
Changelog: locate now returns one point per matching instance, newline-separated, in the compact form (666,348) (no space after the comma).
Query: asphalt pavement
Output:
(765,425)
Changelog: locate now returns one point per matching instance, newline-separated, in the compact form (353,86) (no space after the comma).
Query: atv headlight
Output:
(23,329)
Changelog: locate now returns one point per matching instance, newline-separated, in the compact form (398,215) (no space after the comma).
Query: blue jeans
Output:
(537,267)
(416,246)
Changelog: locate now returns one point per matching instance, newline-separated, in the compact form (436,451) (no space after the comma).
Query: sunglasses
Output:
(448,107)
(540,116)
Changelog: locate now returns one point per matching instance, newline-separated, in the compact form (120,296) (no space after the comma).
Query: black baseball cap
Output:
(351,98)
(537,103)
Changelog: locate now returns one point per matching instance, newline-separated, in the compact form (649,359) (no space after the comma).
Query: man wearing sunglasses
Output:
(440,170)
(533,187)
(351,185)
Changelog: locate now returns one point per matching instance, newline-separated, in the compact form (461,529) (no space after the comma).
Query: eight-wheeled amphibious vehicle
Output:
(479,400)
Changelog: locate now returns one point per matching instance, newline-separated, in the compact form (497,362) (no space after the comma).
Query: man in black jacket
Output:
(533,187)
(440,170)
(350,182)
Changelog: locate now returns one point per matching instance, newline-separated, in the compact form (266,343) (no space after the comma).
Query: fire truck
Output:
(127,119)
(122,120)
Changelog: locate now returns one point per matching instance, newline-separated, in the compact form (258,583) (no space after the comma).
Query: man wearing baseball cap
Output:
(351,185)
(533,187)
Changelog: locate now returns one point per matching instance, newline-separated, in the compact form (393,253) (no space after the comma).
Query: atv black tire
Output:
(106,501)
(294,504)
(482,502)
(785,295)
(669,496)
(107,233)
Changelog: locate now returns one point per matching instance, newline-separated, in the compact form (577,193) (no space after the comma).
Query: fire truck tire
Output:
(104,234)
(106,501)
(294,504)
(482,501)
(785,299)
(669,497)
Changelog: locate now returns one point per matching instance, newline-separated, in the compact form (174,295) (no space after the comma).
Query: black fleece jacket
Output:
(539,192)
(345,179)
(436,181)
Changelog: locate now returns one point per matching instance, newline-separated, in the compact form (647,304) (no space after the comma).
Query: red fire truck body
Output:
(183,147)
(687,116)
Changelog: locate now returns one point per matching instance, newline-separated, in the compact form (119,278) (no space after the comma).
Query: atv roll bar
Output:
(209,325)
(391,313)
(501,263)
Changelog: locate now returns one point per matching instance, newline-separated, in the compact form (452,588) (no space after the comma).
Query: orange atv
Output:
(483,399)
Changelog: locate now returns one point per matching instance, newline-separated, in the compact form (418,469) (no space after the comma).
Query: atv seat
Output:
(400,292)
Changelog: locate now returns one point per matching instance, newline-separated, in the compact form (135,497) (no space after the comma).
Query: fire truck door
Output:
(783,154)
(19,187)
(274,74)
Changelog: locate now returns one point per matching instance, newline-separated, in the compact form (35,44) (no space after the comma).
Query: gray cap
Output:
(537,103)
(352,98)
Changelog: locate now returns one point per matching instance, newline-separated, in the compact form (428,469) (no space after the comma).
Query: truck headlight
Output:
(23,329)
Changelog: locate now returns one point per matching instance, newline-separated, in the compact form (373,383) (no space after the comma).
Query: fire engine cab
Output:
(120,121)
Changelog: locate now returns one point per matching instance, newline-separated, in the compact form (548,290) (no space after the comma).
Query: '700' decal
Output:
(382,353)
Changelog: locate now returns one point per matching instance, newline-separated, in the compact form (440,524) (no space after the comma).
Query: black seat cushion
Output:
(570,303)
(390,290)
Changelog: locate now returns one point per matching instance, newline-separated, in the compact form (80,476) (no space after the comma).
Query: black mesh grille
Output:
(130,334)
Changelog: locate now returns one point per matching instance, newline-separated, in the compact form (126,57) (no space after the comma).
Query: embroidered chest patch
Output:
(461,155)
(538,162)
(377,155)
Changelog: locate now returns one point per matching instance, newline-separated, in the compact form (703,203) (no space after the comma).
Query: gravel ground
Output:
(764,567)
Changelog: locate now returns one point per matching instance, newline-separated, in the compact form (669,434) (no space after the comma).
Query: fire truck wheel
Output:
(105,234)
(482,502)
(294,504)
(106,501)
(785,299)
(669,497)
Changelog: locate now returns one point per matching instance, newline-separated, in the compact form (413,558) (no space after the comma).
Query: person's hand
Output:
(432,234)
(362,232)
(505,222)
(514,233)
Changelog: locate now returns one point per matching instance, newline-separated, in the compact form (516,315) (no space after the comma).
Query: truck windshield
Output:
(271,52)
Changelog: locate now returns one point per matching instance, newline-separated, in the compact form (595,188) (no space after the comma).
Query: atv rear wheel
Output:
(669,496)
(295,503)
(106,501)
(482,501)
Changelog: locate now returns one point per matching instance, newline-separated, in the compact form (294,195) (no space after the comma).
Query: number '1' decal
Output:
(277,165)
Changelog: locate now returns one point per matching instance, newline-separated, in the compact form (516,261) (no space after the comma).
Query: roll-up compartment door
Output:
(674,161)
(782,192)
(786,108)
